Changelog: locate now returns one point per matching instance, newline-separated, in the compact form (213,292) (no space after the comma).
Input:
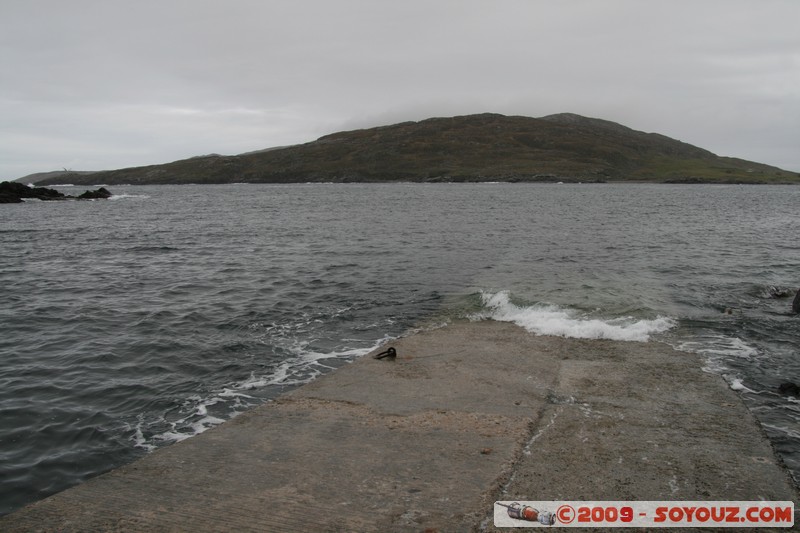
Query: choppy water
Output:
(132,323)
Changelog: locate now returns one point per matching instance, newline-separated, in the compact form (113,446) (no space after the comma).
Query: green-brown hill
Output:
(487,147)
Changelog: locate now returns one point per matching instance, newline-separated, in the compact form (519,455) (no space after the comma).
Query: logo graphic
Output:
(528,513)
(644,514)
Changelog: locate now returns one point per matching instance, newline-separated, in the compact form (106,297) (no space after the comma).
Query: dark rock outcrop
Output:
(43,193)
(796,303)
(100,194)
(6,198)
(13,192)
(789,389)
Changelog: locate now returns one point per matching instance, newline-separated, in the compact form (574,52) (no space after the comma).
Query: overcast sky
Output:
(100,84)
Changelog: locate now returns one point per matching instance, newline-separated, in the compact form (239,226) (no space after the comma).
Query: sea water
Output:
(136,322)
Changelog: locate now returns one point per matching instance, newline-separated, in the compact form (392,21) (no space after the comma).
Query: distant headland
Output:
(473,148)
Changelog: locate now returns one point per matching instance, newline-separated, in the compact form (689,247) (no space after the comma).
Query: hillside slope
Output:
(486,147)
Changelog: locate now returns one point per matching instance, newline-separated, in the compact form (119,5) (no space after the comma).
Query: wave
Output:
(123,196)
(718,351)
(543,319)
(199,413)
(718,345)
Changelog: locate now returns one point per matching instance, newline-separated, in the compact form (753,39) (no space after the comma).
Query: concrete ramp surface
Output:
(464,415)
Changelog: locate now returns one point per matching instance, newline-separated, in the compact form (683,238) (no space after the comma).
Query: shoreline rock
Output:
(100,194)
(15,193)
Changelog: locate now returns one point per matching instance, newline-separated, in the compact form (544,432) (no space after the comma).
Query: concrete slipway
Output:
(465,415)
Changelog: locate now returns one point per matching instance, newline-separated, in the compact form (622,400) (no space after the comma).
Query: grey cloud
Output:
(115,83)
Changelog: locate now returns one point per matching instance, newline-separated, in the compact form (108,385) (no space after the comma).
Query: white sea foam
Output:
(714,345)
(717,350)
(139,439)
(737,385)
(123,196)
(233,399)
(790,432)
(555,320)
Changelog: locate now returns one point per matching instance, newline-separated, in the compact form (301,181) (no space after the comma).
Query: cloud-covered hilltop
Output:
(486,147)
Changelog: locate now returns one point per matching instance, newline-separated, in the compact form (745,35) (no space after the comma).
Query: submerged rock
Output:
(778,292)
(796,303)
(789,389)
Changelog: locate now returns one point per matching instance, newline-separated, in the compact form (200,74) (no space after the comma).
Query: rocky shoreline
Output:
(15,193)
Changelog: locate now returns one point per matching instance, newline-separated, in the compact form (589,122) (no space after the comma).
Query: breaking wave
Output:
(123,196)
(544,319)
